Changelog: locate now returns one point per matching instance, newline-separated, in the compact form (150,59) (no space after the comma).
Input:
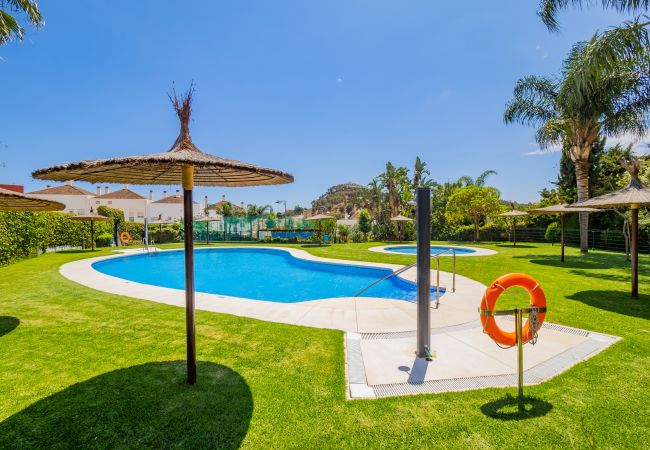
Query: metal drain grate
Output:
(356,369)
(411,334)
(556,327)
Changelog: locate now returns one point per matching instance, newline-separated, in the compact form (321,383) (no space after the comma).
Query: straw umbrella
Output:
(318,218)
(514,214)
(562,209)
(183,164)
(400,218)
(632,196)
(92,217)
(16,201)
(207,221)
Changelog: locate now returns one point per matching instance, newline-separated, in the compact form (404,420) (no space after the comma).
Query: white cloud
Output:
(639,145)
(339,80)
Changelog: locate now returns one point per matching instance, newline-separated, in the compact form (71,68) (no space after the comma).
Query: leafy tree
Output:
(9,27)
(365,223)
(590,100)
(394,179)
(343,232)
(473,203)
(271,221)
(548,9)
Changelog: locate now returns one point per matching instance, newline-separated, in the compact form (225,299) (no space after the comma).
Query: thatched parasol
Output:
(562,209)
(207,221)
(318,218)
(16,201)
(400,218)
(91,217)
(514,214)
(632,196)
(183,164)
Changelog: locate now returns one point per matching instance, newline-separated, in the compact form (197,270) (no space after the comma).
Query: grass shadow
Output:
(615,301)
(570,262)
(508,408)
(145,406)
(315,245)
(506,245)
(8,324)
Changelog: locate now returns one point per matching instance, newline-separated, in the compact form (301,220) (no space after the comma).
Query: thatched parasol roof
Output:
(320,217)
(513,213)
(15,201)
(166,167)
(401,218)
(90,217)
(634,194)
(562,208)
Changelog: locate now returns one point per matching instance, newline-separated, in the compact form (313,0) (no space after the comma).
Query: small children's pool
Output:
(259,274)
(412,249)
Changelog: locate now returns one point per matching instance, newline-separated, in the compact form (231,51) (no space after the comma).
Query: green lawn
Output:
(81,368)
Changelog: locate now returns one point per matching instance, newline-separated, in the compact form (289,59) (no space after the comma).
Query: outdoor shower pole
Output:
(188,185)
(423,272)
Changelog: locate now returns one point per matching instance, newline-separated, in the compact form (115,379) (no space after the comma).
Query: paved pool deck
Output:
(380,333)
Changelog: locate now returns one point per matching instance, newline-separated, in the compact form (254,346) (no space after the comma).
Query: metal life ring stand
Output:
(535,324)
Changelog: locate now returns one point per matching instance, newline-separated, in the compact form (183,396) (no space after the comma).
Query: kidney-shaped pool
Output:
(260,274)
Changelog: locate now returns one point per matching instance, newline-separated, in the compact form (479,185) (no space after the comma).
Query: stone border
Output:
(478,251)
(357,314)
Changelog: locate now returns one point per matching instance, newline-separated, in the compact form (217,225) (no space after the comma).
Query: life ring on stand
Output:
(492,294)
(125,237)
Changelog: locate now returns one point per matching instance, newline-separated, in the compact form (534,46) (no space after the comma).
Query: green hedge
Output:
(23,234)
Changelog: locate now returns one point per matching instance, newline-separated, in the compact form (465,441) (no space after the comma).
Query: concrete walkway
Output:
(380,333)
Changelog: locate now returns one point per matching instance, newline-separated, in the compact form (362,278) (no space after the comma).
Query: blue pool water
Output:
(260,274)
(412,249)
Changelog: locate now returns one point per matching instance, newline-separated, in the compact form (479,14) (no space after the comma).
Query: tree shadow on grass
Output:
(571,262)
(508,408)
(615,301)
(315,245)
(8,324)
(146,406)
(516,246)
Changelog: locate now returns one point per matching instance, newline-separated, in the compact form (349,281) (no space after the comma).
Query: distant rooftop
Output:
(66,189)
(122,194)
(172,199)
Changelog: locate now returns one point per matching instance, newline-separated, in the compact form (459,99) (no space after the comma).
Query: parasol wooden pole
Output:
(514,231)
(635,249)
(562,236)
(188,185)
(92,235)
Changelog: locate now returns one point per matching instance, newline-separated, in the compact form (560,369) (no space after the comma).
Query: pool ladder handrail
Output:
(396,272)
(405,268)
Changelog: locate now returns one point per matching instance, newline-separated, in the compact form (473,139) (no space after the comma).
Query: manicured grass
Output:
(81,368)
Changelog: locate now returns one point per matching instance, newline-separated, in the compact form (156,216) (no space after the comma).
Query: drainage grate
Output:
(556,327)
(411,334)
(356,369)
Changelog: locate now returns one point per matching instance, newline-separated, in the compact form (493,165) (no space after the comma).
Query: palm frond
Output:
(549,9)
(9,28)
(534,101)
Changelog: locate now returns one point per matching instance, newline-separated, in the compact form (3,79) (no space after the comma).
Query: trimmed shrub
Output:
(103,240)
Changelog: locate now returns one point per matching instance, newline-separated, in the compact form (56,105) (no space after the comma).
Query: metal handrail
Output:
(396,272)
(435,255)
(453,280)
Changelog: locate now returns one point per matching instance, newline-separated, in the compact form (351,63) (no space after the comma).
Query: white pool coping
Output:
(478,251)
(380,333)
(353,314)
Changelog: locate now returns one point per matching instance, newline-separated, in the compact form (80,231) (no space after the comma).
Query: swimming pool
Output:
(259,274)
(412,249)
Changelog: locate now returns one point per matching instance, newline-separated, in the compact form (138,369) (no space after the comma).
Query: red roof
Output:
(122,194)
(66,189)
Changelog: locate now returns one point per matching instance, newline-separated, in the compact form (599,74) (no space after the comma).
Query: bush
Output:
(552,233)
(343,232)
(357,236)
(104,240)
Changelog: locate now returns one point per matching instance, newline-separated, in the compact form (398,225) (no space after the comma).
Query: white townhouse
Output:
(75,199)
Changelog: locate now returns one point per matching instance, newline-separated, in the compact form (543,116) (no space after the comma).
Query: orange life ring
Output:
(125,237)
(489,300)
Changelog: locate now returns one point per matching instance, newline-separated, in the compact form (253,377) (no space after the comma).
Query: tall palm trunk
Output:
(582,181)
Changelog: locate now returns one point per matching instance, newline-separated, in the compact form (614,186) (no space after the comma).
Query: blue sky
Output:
(326,90)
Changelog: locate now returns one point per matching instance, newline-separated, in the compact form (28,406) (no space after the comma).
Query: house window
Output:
(80,211)
(110,202)
(96,202)
(140,215)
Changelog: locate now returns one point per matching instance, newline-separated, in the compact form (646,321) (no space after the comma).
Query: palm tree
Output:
(9,27)
(393,179)
(479,181)
(419,171)
(548,9)
(589,101)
